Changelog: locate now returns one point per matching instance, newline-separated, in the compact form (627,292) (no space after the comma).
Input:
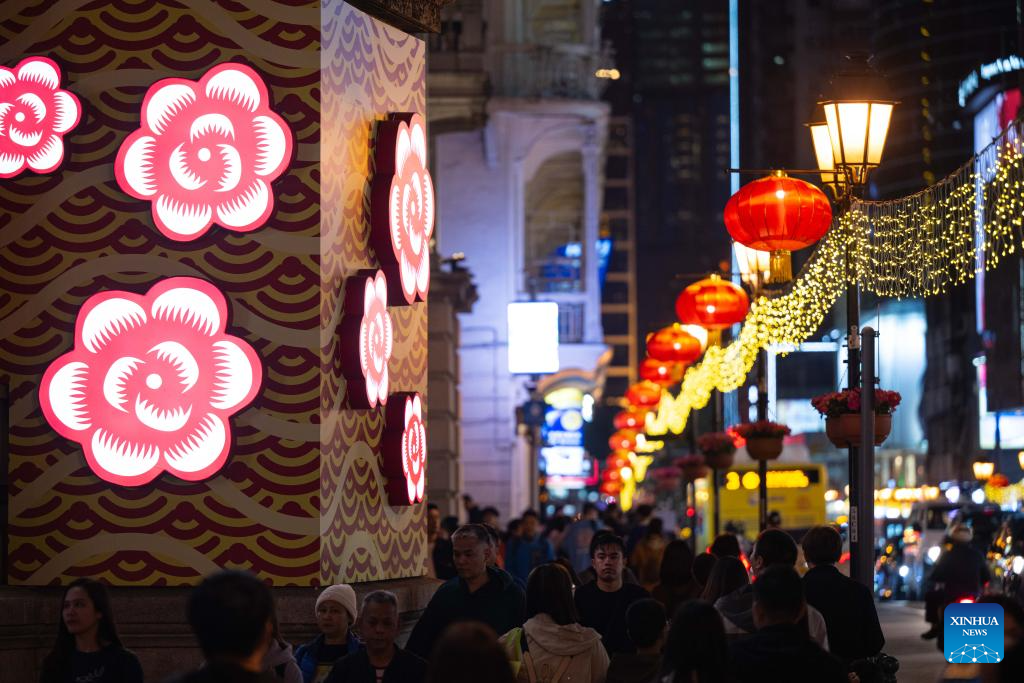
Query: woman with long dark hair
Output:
(552,644)
(88,647)
(728,575)
(676,584)
(696,650)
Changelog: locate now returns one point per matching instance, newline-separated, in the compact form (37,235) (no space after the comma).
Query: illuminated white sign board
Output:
(986,72)
(532,337)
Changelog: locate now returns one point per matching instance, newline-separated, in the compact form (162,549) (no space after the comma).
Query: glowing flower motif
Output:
(375,339)
(34,115)
(402,208)
(206,152)
(404,450)
(151,382)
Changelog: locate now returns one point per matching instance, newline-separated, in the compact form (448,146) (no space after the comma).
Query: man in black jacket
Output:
(479,593)
(602,604)
(780,650)
(382,661)
(848,608)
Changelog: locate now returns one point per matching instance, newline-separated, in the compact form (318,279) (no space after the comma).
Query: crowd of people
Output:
(573,601)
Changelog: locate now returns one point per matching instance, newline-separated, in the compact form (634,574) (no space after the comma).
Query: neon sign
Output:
(151,382)
(402,204)
(34,116)
(206,153)
(969,85)
(367,320)
(404,449)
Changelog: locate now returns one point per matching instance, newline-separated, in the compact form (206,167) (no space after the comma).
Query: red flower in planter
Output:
(402,203)
(206,152)
(34,116)
(151,382)
(404,450)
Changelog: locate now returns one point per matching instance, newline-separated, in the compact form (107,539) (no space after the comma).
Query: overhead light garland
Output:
(912,247)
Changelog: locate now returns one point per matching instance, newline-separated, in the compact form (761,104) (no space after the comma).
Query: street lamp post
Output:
(755,267)
(857,116)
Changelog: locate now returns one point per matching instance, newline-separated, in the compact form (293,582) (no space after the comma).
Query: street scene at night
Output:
(511,341)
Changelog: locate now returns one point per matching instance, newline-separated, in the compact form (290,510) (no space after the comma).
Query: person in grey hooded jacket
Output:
(552,645)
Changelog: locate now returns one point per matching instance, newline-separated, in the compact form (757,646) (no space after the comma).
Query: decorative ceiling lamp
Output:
(674,344)
(754,265)
(778,214)
(857,113)
(665,373)
(644,394)
(714,304)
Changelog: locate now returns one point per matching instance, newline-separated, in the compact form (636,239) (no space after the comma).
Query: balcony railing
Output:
(550,71)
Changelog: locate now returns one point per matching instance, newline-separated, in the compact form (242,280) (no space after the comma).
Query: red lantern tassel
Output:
(781,267)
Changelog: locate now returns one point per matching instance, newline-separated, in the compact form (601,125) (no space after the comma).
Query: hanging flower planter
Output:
(763,438)
(841,410)
(693,466)
(718,449)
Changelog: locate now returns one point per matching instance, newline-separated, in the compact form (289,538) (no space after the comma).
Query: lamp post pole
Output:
(863,497)
(762,414)
(717,410)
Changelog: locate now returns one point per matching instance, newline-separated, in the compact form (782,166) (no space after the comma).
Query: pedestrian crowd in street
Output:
(598,599)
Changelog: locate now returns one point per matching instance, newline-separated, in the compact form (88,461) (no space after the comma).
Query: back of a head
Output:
(229,612)
(725,545)
(468,652)
(728,575)
(589,510)
(676,564)
(779,593)
(645,622)
(703,565)
(549,591)
(775,546)
(450,524)
(656,527)
(644,511)
(822,545)
(696,644)
(606,539)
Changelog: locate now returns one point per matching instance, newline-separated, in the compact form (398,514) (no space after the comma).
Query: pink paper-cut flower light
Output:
(151,383)
(376,339)
(404,449)
(34,116)
(367,335)
(206,153)
(402,203)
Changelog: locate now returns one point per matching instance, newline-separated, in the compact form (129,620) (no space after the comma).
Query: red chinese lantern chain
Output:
(661,372)
(712,303)
(673,344)
(778,213)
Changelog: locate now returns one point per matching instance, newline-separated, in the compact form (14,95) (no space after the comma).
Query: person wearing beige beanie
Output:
(335,611)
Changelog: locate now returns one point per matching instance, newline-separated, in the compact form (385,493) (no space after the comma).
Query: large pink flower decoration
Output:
(206,152)
(404,449)
(151,382)
(34,115)
(366,307)
(402,203)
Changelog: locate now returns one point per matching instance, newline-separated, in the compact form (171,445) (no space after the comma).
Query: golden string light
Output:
(912,247)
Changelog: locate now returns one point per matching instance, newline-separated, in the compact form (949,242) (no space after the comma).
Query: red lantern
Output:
(612,475)
(713,303)
(630,419)
(622,440)
(617,460)
(778,214)
(610,488)
(674,344)
(661,372)
(644,394)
